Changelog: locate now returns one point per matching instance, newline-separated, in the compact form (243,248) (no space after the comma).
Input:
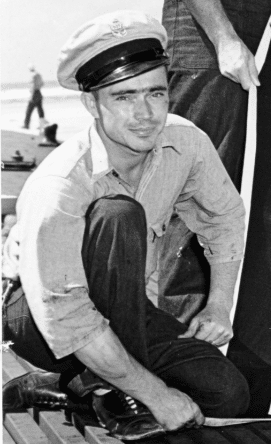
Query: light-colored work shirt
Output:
(183,174)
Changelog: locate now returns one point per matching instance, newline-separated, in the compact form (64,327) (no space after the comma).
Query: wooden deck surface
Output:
(35,426)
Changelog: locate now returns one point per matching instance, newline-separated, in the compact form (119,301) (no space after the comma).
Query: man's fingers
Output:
(222,339)
(245,81)
(199,417)
(218,339)
(248,73)
(200,330)
(254,72)
(191,331)
(216,335)
(208,331)
(213,333)
(197,420)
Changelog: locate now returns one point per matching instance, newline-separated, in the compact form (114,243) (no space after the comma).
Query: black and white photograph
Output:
(136,221)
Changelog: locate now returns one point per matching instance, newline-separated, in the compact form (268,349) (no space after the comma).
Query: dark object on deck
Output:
(17,156)
(50,136)
(18,163)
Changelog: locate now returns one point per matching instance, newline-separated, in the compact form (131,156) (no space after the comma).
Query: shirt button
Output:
(115,173)
(164,227)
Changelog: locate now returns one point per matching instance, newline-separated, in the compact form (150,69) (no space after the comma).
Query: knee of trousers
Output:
(117,208)
(232,397)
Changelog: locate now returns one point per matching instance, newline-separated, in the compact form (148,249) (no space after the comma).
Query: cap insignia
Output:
(117,28)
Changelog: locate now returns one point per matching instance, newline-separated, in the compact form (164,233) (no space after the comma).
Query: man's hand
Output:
(237,62)
(107,358)
(234,58)
(212,324)
(176,410)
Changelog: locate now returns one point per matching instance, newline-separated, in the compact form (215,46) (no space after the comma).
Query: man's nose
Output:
(143,108)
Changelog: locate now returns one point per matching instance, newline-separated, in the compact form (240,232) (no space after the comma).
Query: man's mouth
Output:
(143,131)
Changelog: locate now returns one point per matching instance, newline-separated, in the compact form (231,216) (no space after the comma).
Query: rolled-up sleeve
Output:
(211,206)
(51,228)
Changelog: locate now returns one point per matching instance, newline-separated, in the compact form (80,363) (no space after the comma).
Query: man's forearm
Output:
(107,357)
(223,279)
(211,16)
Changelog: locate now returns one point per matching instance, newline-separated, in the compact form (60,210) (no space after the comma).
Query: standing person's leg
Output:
(216,105)
(29,111)
(250,349)
(40,110)
(258,375)
(39,106)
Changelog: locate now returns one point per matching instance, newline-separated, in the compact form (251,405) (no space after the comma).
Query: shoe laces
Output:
(50,402)
(130,404)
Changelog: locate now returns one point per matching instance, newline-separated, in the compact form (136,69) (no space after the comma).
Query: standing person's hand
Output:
(234,58)
(237,62)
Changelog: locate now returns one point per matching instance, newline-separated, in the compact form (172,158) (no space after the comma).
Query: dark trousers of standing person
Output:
(34,102)
(218,106)
(250,349)
(114,255)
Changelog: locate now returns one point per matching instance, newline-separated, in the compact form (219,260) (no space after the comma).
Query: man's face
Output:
(131,114)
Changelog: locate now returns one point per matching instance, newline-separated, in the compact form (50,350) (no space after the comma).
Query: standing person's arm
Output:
(234,58)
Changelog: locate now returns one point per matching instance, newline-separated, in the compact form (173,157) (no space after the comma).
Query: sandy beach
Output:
(67,112)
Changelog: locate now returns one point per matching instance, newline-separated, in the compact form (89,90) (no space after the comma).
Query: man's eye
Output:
(122,98)
(158,94)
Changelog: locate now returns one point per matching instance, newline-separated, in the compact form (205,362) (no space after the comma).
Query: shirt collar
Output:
(166,142)
(100,161)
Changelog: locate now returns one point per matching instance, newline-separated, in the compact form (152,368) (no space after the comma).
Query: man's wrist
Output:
(224,37)
(219,305)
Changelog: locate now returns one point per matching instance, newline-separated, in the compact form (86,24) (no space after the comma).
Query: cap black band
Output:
(117,59)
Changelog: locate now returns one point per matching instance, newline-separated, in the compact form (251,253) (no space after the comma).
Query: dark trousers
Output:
(35,102)
(114,254)
(219,107)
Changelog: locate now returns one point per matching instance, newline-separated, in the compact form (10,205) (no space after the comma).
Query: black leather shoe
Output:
(37,388)
(124,417)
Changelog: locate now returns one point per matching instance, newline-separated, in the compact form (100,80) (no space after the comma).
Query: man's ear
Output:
(89,102)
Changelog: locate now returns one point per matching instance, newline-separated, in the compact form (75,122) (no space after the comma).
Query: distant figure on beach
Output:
(35,100)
